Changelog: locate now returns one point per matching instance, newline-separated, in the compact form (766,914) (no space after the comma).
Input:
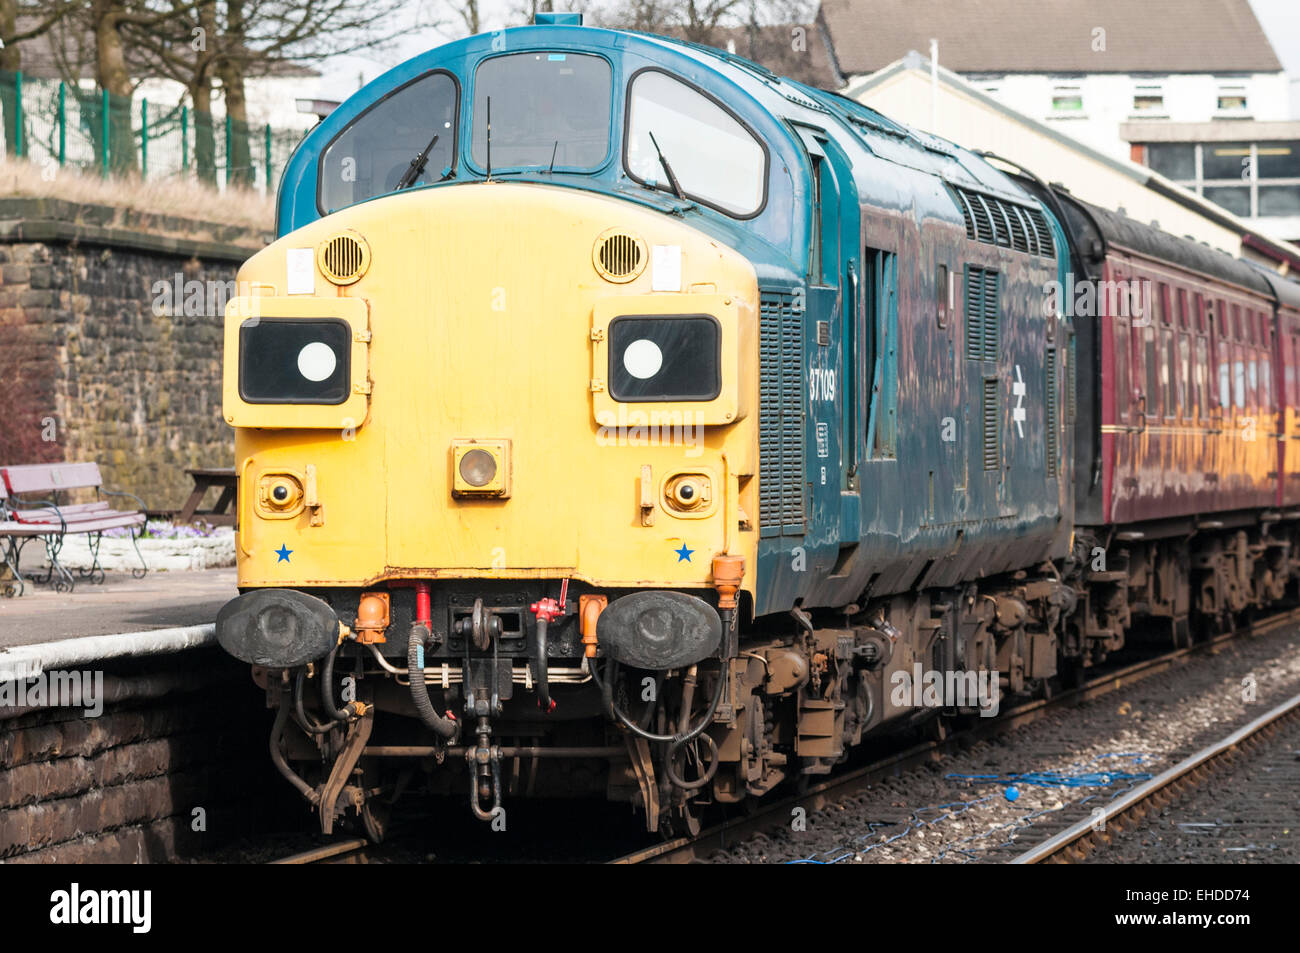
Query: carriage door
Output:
(835,310)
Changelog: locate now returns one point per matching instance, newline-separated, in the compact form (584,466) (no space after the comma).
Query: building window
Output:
(1236,199)
(1173,160)
(1225,160)
(1067,101)
(1279,160)
(1277,200)
(1232,99)
(1149,99)
(1249,179)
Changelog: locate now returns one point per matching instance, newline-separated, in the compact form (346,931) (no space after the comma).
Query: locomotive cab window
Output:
(546,107)
(714,158)
(370,156)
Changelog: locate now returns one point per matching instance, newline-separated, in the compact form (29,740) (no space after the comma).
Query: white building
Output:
(1191,88)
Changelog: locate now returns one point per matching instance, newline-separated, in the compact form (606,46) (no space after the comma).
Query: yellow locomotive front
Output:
(472,422)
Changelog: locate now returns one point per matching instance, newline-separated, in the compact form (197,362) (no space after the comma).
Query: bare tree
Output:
(468,12)
(200,42)
(108,22)
(37,19)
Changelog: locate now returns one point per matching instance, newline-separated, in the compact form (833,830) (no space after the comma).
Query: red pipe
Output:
(423,598)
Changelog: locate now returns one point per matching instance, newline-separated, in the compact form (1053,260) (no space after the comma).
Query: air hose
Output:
(327,690)
(445,727)
(685,735)
(277,756)
(681,737)
(305,723)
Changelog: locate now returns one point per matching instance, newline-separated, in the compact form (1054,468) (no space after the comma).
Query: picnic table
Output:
(205,478)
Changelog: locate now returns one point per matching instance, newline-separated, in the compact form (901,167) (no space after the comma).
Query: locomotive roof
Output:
(772,102)
(884,137)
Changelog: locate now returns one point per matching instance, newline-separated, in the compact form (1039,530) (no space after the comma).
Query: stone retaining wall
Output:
(110,341)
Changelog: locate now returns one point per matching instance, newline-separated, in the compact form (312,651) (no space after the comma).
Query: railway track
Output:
(1078,840)
(778,814)
(350,851)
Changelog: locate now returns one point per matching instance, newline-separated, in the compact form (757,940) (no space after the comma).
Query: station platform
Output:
(162,600)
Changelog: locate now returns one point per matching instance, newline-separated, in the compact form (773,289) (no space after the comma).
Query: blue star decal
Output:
(683,554)
(283,552)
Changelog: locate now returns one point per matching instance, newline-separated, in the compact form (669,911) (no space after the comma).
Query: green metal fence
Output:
(49,121)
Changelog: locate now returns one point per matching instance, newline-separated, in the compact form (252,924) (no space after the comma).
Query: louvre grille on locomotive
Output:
(640,442)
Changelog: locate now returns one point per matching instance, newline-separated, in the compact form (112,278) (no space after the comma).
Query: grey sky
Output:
(1281,22)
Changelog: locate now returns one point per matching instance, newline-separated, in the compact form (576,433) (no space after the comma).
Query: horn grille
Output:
(619,256)
(344,258)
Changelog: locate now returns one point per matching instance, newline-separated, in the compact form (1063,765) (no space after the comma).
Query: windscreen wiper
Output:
(416,168)
(663,161)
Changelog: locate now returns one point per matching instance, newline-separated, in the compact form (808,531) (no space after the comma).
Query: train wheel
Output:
(374,818)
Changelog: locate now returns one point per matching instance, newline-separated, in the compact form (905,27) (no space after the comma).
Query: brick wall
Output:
(96,361)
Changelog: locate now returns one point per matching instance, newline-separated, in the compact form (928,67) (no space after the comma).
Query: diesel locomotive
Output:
(613,416)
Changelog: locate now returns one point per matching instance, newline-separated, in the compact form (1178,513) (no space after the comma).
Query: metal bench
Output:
(14,536)
(51,482)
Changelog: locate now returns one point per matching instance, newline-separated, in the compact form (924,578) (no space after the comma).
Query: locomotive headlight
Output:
(294,361)
(279,495)
(688,492)
(480,468)
(477,468)
(665,358)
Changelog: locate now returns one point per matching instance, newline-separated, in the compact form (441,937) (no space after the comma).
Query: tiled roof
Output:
(1052,36)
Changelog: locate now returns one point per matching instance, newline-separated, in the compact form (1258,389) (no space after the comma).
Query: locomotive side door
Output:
(835,304)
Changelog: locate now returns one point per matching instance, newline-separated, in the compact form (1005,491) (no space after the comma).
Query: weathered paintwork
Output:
(1188,373)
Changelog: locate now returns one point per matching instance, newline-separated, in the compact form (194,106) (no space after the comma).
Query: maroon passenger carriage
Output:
(1187,441)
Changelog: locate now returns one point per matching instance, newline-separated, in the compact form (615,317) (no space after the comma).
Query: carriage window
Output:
(1225,376)
(1168,373)
(544,105)
(1265,383)
(1293,371)
(714,158)
(1238,377)
(1202,375)
(1123,396)
(1252,379)
(1152,363)
(369,157)
(1184,372)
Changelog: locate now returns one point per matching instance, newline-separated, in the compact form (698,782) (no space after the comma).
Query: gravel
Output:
(925,816)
